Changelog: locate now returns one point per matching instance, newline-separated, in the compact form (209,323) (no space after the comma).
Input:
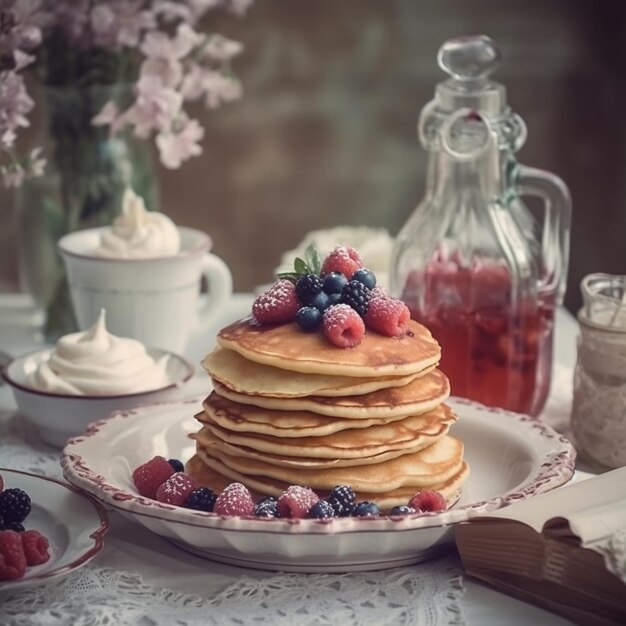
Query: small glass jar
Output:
(599,408)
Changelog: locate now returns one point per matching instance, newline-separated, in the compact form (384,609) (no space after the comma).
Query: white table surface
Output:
(129,547)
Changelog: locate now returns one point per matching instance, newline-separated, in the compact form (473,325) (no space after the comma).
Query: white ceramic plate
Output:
(75,525)
(511,457)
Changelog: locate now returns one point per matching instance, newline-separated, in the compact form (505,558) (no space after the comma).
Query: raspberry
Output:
(14,506)
(366,509)
(35,547)
(379,292)
(428,500)
(151,475)
(176,465)
(296,501)
(343,326)
(201,499)
(12,557)
(356,295)
(307,287)
(266,507)
(388,316)
(343,259)
(277,305)
(176,489)
(342,498)
(234,500)
(321,510)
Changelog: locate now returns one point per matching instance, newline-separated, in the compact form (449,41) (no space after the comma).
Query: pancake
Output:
(243,376)
(287,347)
(213,479)
(409,434)
(419,396)
(423,469)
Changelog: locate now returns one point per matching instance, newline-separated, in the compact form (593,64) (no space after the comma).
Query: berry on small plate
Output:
(64,530)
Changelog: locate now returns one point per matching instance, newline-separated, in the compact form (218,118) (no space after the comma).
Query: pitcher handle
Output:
(220,284)
(530,181)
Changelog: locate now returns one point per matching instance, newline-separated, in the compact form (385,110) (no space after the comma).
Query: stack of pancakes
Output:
(289,408)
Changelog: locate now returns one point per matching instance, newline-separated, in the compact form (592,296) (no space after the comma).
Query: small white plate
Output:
(74,523)
(511,457)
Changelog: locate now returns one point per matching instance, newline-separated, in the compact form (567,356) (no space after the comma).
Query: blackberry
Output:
(366,509)
(201,499)
(366,277)
(177,465)
(321,510)
(14,506)
(266,507)
(334,282)
(402,510)
(342,499)
(307,287)
(309,318)
(18,528)
(356,295)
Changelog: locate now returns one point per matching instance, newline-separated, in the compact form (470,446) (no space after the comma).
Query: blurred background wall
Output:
(325,134)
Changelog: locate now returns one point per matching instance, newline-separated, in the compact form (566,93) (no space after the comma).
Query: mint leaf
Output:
(300,266)
(313,259)
(292,276)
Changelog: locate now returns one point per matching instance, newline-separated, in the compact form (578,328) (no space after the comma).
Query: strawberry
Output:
(342,259)
(387,316)
(12,557)
(277,305)
(176,489)
(234,500)
(296,501)
(35,547)
(343,326)
(151,475)
(428,500)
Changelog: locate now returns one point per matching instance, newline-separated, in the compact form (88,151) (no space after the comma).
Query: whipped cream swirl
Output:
(138,233)
(96,363)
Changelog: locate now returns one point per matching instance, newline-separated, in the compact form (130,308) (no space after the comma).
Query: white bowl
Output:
(61,416)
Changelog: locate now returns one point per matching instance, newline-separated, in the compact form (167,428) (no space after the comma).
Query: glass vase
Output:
(86,174)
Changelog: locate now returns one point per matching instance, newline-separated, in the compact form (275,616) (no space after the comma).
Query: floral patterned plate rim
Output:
(511,457)
(74,523)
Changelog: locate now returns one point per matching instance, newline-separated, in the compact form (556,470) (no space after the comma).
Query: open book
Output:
(564,550)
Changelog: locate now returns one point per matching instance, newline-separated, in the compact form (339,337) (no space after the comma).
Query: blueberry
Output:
(266,507)
(402,510)
(334,298)
(334,282)
(321,301)
(366,509)
(321,510)
(308,318)
(366,277)
(177,465)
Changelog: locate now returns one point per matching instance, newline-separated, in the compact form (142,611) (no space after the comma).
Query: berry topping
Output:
(12,557)
(18,528)
(334,282)
(176,489)
(388,316)
(356,295)
(401,510)
(309,318)
(343,326)
(366,509)
(14,506)
(201,499)
(379,292)
(267,507)
(321,510)
(342,499)
(234,500)
(321,301)
(151,475)
(176,465)
(366,277)
(35,547)
(427,501)
(277,305)
(296,501)
(307,287)
(343,259)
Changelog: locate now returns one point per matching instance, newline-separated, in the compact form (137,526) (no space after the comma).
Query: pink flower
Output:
(220,88)
(155,107)
(15,103)
(219,48)
(176,146)
(158,44)
(13,175)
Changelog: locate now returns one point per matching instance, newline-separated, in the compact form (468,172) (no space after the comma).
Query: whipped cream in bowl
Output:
(87,376)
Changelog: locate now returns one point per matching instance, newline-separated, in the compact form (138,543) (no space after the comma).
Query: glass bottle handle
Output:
(553,191)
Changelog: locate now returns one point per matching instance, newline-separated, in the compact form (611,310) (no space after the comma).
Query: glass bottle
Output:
(472,263)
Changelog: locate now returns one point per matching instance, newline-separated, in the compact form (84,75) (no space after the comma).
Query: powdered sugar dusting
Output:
(234,500)
(295,501)
(176,489)
(388,316)
(278,304)
(343,326)
(342,259)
